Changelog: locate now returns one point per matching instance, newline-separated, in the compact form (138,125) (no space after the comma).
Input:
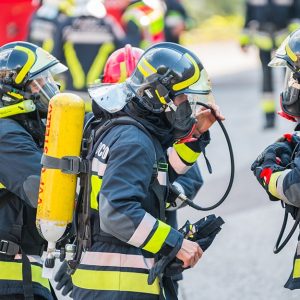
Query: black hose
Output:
(218,203)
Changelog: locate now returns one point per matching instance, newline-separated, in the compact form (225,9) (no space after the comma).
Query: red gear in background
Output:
(15,18)
(121,64)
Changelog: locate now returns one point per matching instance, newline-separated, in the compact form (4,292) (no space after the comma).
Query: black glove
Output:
(203,232)
(63,279)
(265,165)
(292,140)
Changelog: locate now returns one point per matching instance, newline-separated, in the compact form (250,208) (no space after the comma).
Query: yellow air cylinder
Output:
(63,136)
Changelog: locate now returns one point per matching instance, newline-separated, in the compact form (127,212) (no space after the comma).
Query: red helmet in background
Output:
(121,64)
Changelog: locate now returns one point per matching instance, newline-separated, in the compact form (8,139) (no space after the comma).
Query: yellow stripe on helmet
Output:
(146,68)
(123,72)
(290,53)
(29,63)
(186,83)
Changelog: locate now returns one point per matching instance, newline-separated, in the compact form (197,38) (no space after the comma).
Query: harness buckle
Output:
(71,164)
(3,246)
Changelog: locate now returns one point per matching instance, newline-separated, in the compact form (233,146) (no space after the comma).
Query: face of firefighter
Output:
(46,88)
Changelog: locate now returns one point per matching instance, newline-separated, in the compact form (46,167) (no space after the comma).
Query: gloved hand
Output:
(264,167)
(64,280)
(283,153)
(292,140)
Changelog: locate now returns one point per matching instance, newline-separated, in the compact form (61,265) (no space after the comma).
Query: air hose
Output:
(218,203)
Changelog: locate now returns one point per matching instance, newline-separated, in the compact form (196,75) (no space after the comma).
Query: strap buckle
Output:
(71,164)
(3,246)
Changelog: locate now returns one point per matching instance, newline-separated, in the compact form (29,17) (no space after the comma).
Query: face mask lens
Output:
(46,87)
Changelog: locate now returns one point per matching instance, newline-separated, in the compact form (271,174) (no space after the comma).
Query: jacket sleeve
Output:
(285,185)
(183,155)
(125,184)
(188,184)
(20,162)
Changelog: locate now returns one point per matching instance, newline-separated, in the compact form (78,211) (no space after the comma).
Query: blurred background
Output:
(240,264)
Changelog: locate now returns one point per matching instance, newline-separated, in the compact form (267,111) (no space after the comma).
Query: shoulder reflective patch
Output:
(102,151)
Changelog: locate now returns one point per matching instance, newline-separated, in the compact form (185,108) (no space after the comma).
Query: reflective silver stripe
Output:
(298,248)
(279,186)
(176,162)
(283,2)
(177,201)
(88,37)
(98,167)
(162,178)
(257,2)
(32,258)
(107,259)
(142,231)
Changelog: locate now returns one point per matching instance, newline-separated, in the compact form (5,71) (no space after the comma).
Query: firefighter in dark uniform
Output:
(26,86)
(267,24)
(130,173)
(278,167)
(176,20)
(45,23)
(83,44)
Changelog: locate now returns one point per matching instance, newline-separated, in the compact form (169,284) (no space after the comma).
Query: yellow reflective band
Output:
(2,186)
(268,106)
(273,184)
(29,63)
(123,72)
(48,45)
(145,74)
(74,66)
(96,183)
(146,68)
(263,42)
(18,96)
(13,271)
(114,281)
(99,62)
(290,53)
(158,238)
(161,99)
(152,69)
(186,153)
(88,106)
(186,83)
(244,39)
(296,271)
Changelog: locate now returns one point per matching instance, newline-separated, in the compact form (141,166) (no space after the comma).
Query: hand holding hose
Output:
(206,117)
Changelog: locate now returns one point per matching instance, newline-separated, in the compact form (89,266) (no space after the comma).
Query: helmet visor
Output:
(45,87)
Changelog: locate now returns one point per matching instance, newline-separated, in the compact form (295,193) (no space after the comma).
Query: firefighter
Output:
(267,32)
(143,22)
(45,22)
(84,42)
(176,20)
(277,169)
(26,86)
(130,172)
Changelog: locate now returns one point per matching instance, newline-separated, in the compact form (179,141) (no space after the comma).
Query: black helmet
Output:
(288,55)
(26,73)
(167,70)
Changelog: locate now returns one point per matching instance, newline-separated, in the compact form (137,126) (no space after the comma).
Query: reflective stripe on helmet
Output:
(186,83)
(29,63)
(146,68)
(2,186)
(290,53)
